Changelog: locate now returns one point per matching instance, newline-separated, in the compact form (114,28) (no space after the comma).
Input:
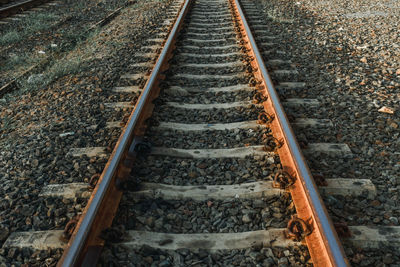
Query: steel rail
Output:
(323,243)
(75,245)
(11,10)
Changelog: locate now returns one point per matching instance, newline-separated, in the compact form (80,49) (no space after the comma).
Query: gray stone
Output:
(246,218)
(388,259)
(283,261)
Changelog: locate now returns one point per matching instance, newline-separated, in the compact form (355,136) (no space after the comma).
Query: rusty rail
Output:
(322,241)
(16,8)
(85,245)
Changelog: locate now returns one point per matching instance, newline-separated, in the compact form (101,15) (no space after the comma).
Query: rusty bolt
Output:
(283,180)
(297,229)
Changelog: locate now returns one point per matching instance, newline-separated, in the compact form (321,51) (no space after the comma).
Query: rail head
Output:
(323,243)
(77,241)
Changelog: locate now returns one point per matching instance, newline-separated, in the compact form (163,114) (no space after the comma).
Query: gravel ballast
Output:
(205,171)
(297,256)
(51,31)
(39,126)
(347,52)
(230,215)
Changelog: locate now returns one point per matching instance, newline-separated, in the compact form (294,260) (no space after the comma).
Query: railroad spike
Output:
(265,118)
(298,229)
(283,179)
(254,81)
(259,98)
(70,228)
(93,180)
(278,142)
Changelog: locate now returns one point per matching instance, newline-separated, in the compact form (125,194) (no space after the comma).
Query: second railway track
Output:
(9,8)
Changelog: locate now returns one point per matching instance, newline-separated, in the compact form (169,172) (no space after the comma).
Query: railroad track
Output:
(9,8)
(209,164)
(204,71)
